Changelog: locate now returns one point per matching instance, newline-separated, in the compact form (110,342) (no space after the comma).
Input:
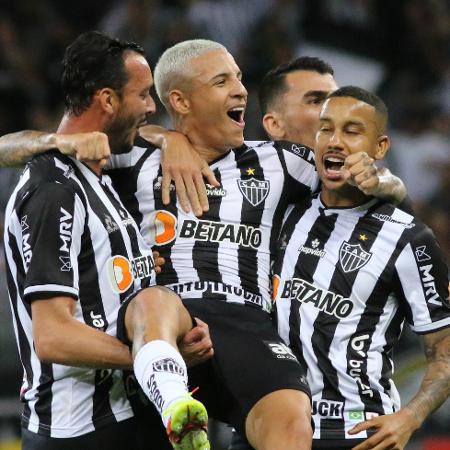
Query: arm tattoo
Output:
(435,387)
(17,148)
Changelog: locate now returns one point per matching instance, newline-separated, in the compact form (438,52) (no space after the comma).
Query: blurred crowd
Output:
(409,39)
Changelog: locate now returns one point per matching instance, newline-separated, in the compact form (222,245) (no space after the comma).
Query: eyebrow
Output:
(226,75)
(319,94)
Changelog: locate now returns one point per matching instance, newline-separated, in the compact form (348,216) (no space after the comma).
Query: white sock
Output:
(162,373)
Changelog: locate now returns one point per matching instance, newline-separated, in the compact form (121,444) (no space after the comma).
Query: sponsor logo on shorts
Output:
(168,365)
(280,350)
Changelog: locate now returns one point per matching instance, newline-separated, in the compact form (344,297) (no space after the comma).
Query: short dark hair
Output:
(93,61)
(364,96)
(273,84)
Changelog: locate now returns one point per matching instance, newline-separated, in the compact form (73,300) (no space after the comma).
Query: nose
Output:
(335,140)
(150,105)
(239,89)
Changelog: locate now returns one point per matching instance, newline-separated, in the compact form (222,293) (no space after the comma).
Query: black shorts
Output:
(250,361)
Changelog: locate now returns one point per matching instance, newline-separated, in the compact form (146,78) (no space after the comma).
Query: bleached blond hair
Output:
(173,67)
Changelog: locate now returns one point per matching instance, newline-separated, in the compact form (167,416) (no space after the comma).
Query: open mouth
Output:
(333,165)
(237,115)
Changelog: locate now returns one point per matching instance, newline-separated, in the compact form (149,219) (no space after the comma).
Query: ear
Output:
(179,102)
(274,126)
(383,146)
(108,99)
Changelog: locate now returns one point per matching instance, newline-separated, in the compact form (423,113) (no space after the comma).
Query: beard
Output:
(121,133)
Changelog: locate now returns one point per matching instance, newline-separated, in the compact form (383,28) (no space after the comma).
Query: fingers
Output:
(159,261)
(208,173)
(85,146)
(193,195)
(200,189)
(359,170)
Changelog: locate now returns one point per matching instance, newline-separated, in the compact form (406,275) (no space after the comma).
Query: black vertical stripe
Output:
(292,192)
(24,348)
(250,216)
(294,313)
(205,255)
(101,405)
(168,274)
(125,182)
(43,405)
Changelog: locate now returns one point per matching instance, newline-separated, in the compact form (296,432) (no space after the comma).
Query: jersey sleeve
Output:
(52,222)
(423,278)
(300,167)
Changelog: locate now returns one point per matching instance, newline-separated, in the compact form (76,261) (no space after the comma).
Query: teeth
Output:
(332,159)
(238,108)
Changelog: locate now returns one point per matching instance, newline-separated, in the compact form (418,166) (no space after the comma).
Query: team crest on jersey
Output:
(352,257)
(255,191)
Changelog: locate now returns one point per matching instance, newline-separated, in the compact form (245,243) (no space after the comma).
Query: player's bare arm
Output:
(394,430)
(60,338)
(16,149)
(183,165)
(360,170)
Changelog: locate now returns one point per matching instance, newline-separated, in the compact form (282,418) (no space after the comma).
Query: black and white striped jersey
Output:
(68,234)
(226,253)
(346,279)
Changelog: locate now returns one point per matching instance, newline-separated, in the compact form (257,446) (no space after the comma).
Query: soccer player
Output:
(350,270)
(290,98)
(220,264)
(79,274)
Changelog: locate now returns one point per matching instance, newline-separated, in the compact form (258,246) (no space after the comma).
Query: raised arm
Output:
(360,170)
(16,149)
(394,430)
(182,165)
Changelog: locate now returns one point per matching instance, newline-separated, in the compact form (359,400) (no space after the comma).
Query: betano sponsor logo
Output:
(209,231)
(122,272)
(326,301)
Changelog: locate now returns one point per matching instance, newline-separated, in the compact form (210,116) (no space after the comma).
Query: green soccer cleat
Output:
(188,424)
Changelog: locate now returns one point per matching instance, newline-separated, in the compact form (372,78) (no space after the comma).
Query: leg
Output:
(280,421)
(154,321)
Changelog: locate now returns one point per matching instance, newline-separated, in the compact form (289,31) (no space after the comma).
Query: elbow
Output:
(46,348)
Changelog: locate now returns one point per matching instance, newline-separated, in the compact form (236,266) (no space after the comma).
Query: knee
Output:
(155,300)
(281,420)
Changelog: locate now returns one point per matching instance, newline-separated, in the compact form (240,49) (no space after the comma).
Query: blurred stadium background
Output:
(400,49)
